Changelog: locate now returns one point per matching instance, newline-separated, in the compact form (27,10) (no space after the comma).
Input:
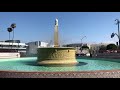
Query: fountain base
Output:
(56,56)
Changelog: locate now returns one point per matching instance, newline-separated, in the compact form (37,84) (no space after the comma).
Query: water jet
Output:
(56,55)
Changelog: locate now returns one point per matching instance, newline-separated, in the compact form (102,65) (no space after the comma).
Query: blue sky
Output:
(32,26)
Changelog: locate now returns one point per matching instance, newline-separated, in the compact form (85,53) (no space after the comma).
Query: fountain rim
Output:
(57,47)
(66,74)
(87,71)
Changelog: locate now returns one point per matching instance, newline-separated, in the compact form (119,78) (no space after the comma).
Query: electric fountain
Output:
(56,55)
(34,67)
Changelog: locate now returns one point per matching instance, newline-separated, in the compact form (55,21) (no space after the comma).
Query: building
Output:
(8,48)
(96,47)
(32,47)
(78,46)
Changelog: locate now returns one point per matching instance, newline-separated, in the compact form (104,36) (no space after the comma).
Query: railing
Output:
(12,48)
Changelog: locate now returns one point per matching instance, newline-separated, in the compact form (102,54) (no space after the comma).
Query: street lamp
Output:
(82,39)
(81,42)
(117,34)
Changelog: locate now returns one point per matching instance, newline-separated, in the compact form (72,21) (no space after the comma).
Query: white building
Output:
(32,47)
(12,48)
(96,47)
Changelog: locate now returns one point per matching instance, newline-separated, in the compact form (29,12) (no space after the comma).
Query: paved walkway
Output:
(82,74)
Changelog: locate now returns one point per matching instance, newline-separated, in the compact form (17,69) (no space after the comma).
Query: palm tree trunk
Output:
(12,38)
(18,47)
(9,39)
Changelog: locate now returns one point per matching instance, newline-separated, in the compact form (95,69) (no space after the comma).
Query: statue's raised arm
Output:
(56,22)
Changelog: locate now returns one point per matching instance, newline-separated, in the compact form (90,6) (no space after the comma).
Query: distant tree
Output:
(67,45)
(111,47)
(102,47)
(85,47)
(90,50)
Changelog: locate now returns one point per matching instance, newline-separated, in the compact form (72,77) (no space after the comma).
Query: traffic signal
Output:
(112,35)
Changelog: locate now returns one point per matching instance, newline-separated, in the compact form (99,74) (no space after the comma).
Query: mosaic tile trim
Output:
(84,74)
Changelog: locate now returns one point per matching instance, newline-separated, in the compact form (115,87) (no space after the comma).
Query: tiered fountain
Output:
(56,55)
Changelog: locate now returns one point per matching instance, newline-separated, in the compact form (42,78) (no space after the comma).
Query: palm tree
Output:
(9,30)
(13,25)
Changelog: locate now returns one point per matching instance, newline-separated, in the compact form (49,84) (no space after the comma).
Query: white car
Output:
(88,54)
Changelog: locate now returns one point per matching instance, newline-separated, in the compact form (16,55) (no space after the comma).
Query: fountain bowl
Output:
(56,56)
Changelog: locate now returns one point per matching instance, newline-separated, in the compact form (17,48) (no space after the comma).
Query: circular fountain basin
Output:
(89,67)
(85,64)
(56,56)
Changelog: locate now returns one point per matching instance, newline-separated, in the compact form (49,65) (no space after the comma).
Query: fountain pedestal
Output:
(56,56)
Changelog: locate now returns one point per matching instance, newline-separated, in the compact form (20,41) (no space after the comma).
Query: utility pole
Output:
(81,42)
(117,34)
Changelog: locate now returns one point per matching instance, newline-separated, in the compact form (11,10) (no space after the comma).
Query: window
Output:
(35,43)
(39,43)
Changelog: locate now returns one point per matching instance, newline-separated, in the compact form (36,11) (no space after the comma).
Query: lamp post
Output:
(81,42)
(82,39)
(117,34)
